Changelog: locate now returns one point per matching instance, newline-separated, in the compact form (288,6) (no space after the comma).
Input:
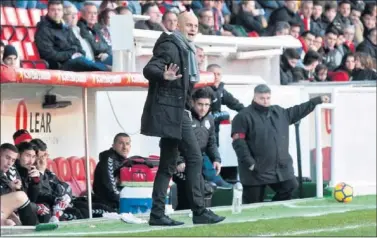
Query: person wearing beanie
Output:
(21,136)
(10,56)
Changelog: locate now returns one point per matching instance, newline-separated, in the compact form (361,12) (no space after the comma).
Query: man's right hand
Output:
(171,72)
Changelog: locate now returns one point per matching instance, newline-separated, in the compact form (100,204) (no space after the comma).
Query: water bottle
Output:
(237,198)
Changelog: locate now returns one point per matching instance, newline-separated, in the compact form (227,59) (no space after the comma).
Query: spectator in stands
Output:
(10,57)
(200,57)
(317,44)
(347,65)
(281,28)
(329,15)
(58,45)
(221,97)
(333,57)
(269,6)
(369,21)
(349,37)
(170,21)
(134,7)
(110,4)
(369,45)
(287,13)
(121,10)
(91,31)
(320,74)
(307,39)
(176,6)
(306,10)
(154,23)
(316,18)
(70,18)
(344,13)
(288,62)
(104,21)
(359,27)
(364,67)
(309,64)
(206,22)
(251,18)
(2,46)
(106,174)
(21,135)
(295,30)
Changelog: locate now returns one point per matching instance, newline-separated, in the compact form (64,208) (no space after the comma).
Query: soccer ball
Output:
(343,192)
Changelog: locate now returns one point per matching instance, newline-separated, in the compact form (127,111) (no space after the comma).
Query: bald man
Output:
(172,73)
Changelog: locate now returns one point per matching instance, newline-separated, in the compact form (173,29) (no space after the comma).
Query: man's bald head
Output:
(188,25)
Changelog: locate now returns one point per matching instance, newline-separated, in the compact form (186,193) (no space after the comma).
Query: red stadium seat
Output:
(27,64)
(23,17)
(7,33)
(35,16)
(30,34)
(52,166)
(65,175)
(30,51)
(10,16)
(78,172)
(93,165)
(2,18)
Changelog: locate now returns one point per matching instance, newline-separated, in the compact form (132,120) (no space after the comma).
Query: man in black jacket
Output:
(260,135)
(221,97)
(171,73)
(58,45)
(106,174)
(287,13)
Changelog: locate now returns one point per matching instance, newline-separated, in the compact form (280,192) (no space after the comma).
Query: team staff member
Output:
(221,97)
(171,73)
(260,135)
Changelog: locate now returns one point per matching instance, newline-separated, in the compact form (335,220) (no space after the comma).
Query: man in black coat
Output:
(287,13)
(221,97)
(260,135)
(171,73)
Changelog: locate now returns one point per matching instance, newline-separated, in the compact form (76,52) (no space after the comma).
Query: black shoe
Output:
(164,221)
(207,217)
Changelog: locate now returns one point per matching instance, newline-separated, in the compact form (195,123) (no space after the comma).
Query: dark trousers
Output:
(189,148)
(283,191)
(82,64)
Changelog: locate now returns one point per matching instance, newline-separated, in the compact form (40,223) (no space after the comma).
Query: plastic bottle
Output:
(237,198)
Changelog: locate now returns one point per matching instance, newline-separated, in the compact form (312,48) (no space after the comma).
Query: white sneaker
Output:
(54,219)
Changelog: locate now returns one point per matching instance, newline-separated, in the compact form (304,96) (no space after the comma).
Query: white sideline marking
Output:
(313,231)
(227,221)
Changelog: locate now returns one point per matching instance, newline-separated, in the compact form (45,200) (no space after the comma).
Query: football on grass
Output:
(343,192)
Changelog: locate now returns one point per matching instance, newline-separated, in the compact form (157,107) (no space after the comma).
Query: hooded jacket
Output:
(106,175)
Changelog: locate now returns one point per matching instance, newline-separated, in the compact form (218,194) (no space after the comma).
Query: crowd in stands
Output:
(337,37)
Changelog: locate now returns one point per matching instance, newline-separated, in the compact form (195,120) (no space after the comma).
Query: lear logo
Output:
(39,122)
(21,116)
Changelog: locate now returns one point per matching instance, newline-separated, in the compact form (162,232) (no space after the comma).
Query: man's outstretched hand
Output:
(325,99)
(171,72)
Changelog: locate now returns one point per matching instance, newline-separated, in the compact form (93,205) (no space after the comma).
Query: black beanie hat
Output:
(9,50)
